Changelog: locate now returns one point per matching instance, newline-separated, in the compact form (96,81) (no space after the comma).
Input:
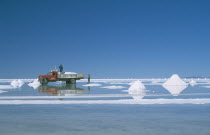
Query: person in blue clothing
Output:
(61,68)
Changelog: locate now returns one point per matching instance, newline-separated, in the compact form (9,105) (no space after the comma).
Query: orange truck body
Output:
(53,77)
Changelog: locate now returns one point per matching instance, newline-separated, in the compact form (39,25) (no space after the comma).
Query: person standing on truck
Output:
(61,68)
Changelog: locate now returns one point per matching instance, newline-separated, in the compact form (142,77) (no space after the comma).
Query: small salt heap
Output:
(14,83)
(20,83)
(137,85)
(193,83)
(137,88)
(34,84)
(175,85)
(17,83)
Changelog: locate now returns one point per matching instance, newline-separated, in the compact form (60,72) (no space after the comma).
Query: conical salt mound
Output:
(137,88)
(193,83)
(20,83)
(34,84)
(175,85)
(17,83)
(14,84)
(175,80)
(137,85)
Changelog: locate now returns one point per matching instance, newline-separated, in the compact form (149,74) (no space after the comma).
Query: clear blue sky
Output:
(105,38)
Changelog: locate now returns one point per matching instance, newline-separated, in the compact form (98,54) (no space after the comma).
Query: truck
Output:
(54,75)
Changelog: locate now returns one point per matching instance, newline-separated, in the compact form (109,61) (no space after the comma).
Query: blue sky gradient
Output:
(105,38)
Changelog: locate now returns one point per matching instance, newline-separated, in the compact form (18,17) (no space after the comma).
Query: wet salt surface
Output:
(105,120)
(151,92)
(109,119)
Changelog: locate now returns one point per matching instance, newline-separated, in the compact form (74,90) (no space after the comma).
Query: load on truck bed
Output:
(53,76)
(69,75)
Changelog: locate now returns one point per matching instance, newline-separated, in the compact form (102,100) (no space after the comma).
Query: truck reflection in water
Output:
(61,90)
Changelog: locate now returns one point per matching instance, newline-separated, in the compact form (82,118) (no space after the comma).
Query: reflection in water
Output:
(175,89)
(137,90)
(88,89)
(60,91)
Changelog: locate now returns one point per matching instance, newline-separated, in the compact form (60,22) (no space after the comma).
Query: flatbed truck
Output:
(53,76)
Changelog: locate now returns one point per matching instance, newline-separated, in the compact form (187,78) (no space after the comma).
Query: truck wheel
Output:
(71,81)
(44,81)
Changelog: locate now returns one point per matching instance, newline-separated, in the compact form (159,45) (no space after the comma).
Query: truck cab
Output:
(52,76)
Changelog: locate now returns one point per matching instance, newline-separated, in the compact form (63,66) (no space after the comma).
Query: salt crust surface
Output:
(113,87)
(92,84)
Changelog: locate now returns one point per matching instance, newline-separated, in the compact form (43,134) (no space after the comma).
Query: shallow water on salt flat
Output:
(153,91)
(109,119)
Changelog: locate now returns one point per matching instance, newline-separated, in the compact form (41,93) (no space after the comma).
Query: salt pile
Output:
(17,83)
(20,83)
(34,84)
(175,80)
(137,88)
(137,85)
(175,85)
(193,83)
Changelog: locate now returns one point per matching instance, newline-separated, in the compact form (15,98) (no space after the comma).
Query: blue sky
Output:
(105,38)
